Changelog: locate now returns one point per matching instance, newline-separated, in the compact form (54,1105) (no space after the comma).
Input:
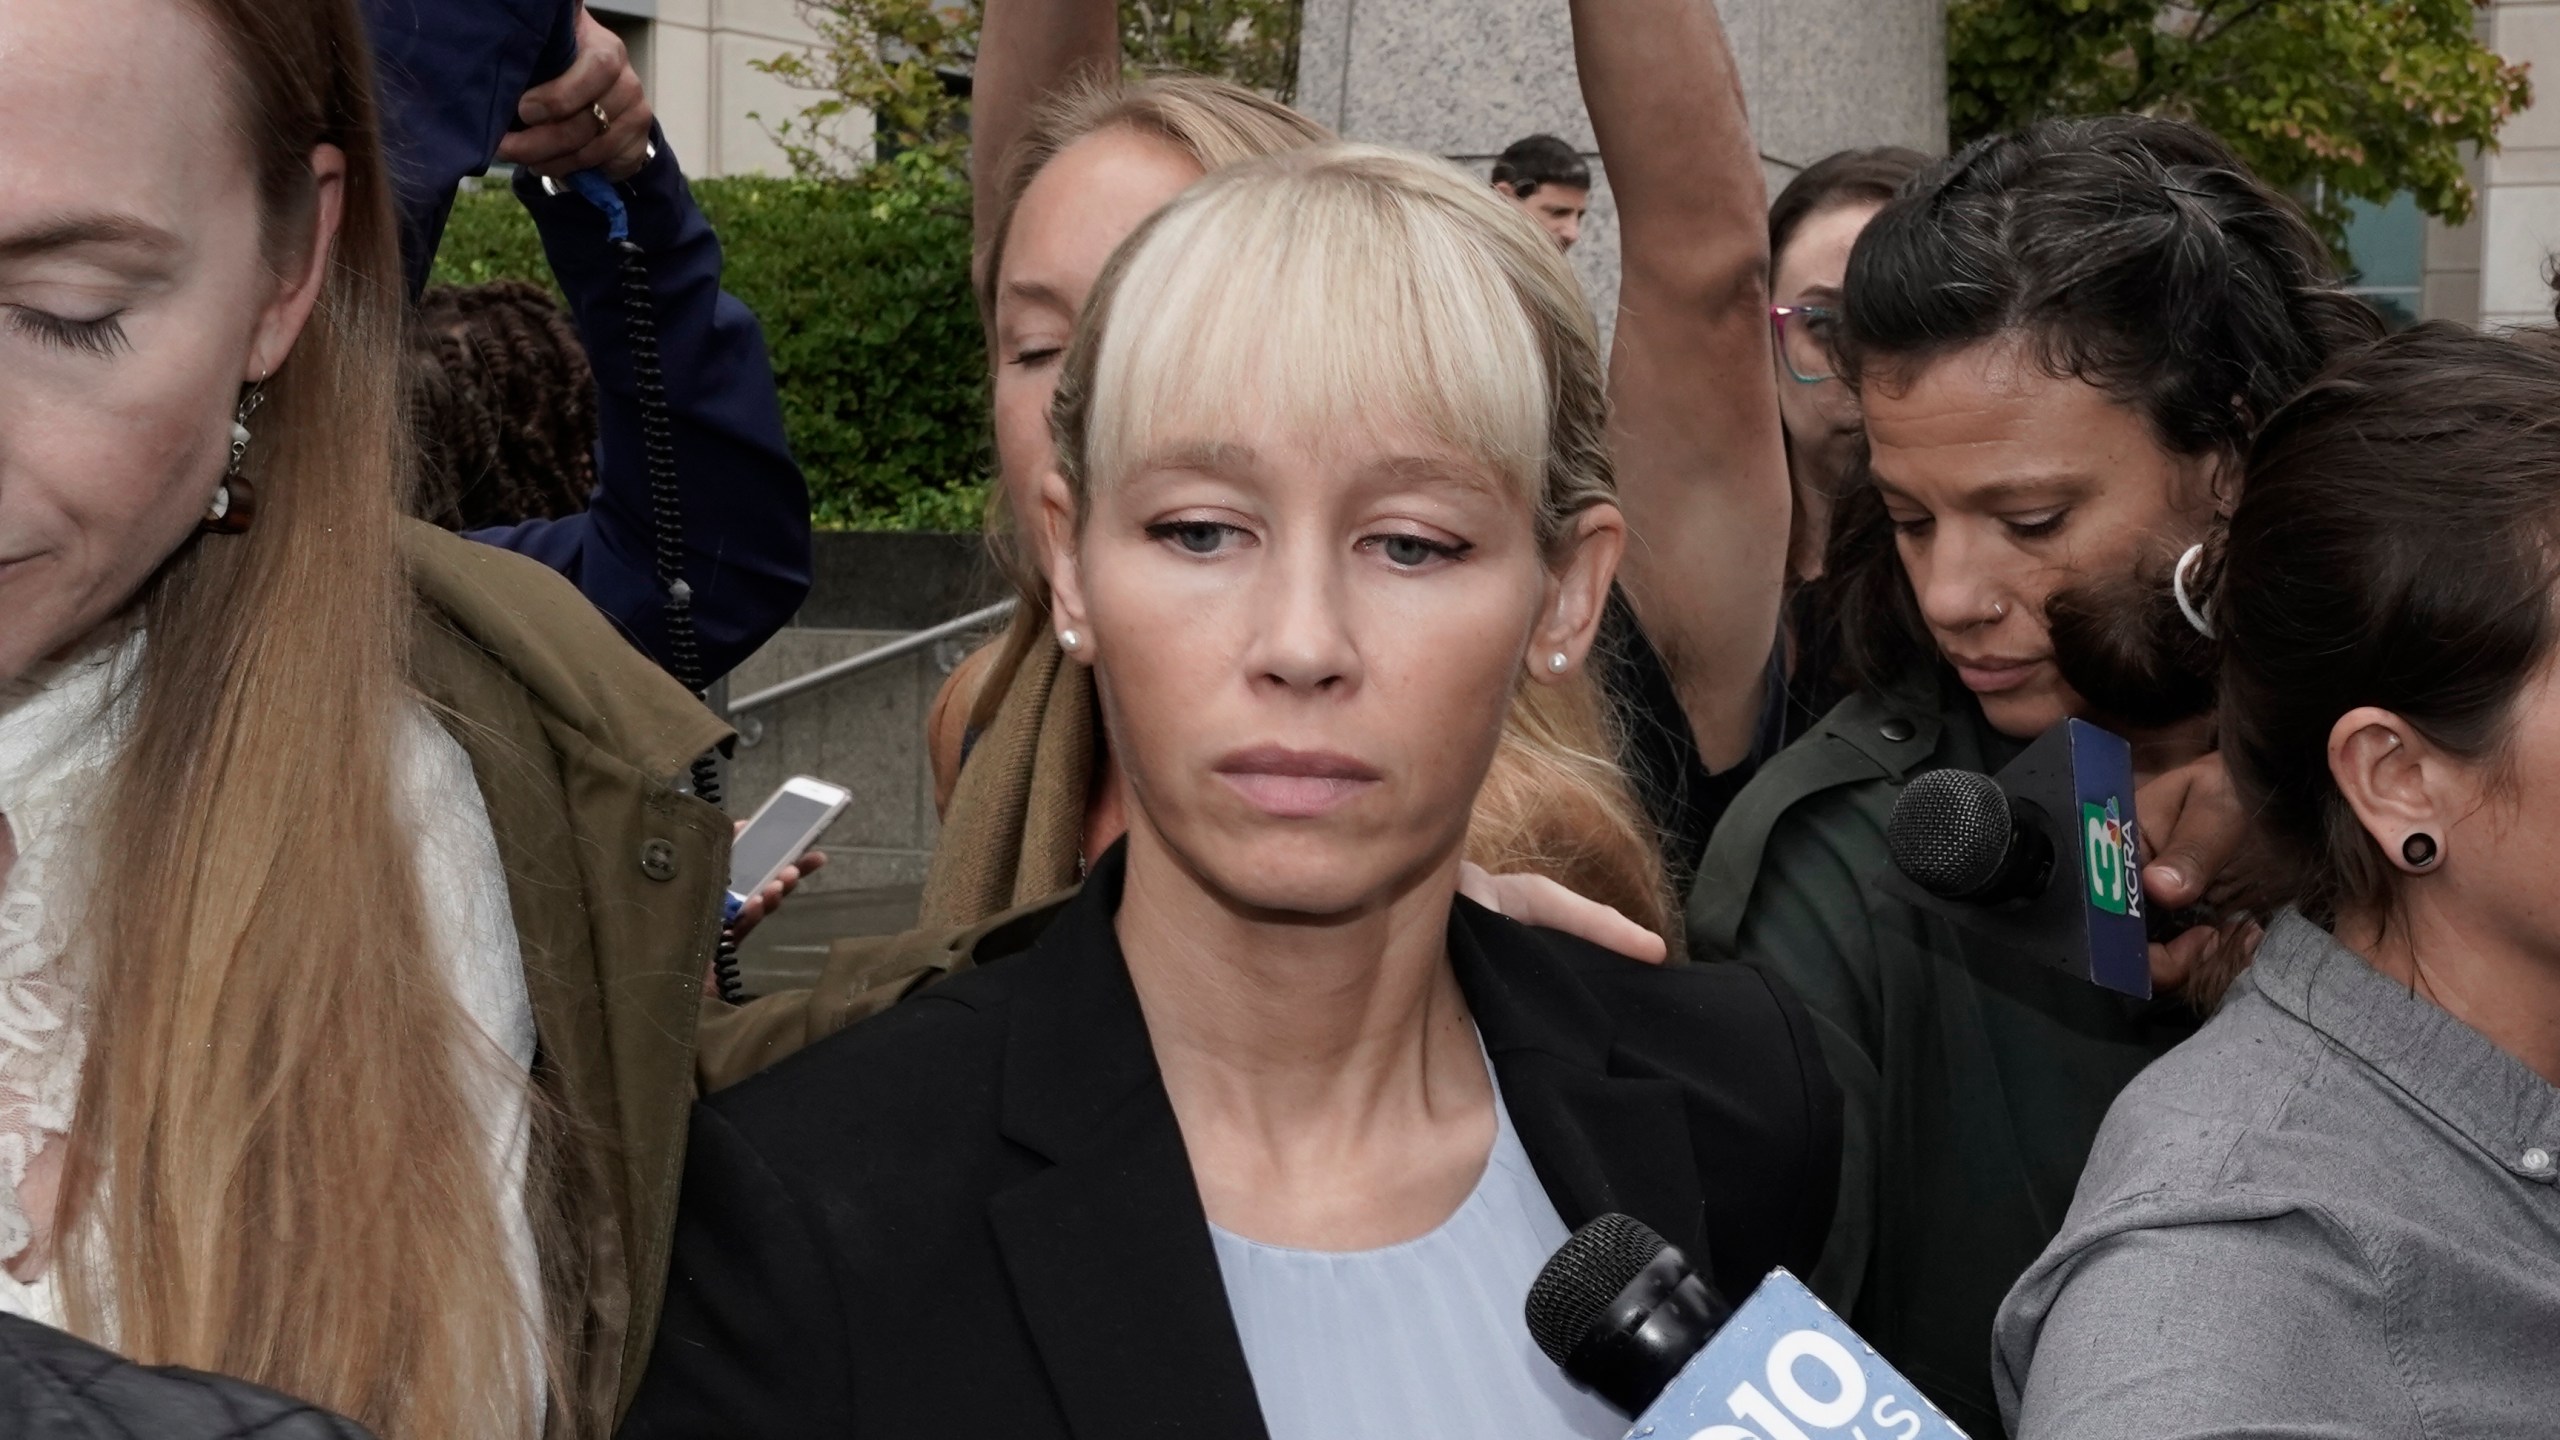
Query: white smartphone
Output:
(783,830)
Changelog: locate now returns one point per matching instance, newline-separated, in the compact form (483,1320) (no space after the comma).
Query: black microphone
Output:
(1961,837)
(1619,1308)
(2043,860)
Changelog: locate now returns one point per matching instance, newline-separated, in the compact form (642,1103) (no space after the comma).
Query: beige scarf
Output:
(1014,832)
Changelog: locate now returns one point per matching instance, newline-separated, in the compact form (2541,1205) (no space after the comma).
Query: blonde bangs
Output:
(1353,289)
(1346,302)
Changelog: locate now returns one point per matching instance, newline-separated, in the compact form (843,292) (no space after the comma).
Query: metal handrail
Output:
(872,659)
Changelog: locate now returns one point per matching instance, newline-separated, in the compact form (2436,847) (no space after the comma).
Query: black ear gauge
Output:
(2420,851)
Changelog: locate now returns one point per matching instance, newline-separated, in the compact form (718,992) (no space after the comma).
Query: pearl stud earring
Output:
(1557,663)
(1069,639)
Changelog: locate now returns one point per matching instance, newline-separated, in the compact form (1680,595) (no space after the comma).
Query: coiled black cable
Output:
(666,512)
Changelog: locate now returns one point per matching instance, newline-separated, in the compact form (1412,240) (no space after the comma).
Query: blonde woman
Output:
(349,935)
(1066,168)
(1041,796)
(1270,1130)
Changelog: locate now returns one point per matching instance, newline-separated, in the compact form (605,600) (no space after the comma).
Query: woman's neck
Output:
(1326,1073)
(2501,984)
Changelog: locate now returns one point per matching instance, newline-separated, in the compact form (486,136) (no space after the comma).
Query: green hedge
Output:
(863,289)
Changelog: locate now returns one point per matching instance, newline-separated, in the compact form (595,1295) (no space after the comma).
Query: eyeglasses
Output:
(1804,334)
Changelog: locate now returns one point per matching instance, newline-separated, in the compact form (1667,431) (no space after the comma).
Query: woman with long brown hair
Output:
(348,941)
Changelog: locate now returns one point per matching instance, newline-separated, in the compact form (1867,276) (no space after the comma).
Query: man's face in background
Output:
(1557,207)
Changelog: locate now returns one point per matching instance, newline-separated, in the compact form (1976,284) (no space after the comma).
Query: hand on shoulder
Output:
(1539,901)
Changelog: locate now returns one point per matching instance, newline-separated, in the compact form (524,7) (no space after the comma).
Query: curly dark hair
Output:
(2136,254)
(504,402)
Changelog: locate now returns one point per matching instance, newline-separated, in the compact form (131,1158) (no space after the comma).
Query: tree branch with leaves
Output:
(2332,100)
(895,61)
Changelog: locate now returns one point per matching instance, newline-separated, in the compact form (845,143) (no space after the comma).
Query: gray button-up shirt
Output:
(2331,1213)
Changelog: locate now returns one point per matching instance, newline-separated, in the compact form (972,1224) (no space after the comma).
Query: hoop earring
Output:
(2420,851)
(2197,615)
(235,500)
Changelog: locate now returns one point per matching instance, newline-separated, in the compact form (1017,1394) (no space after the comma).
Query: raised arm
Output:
(743,501)
(1702,469)
(449,72)
(1026,50)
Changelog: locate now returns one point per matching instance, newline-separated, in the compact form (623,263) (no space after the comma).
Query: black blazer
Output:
(974,1214)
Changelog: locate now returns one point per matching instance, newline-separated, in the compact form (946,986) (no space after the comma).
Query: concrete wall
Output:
(1465,78)
(697,58)
(2520,203)
(2452,276)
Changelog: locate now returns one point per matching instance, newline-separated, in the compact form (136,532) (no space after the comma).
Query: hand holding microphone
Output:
(1623,1313)
(2194,828)
(2047,859)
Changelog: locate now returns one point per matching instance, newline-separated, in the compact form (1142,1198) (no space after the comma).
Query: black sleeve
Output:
(744,502)
(1819,1166)
(752,1341)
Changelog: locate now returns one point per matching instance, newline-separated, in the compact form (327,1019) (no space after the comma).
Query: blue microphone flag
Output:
(1786,1368)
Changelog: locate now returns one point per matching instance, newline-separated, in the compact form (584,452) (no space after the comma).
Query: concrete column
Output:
(2452,279)
(1465,78)
(2520,203)
(698,59)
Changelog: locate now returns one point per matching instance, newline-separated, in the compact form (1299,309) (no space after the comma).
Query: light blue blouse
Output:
(1420,1340)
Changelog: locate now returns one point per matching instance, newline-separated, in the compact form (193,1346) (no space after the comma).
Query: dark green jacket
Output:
(1975,1084)
(615,878)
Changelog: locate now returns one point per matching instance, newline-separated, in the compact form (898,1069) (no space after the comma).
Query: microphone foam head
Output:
(1950,832)
(1581,1279)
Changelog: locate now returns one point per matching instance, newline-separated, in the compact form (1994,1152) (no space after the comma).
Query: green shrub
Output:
(863,289)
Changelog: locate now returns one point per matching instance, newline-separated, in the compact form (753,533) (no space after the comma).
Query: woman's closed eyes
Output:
(2037,526)
(2040,525)
(101,337)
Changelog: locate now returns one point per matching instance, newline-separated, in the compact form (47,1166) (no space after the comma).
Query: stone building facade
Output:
(2493,270)
(698,59)
(1464,78)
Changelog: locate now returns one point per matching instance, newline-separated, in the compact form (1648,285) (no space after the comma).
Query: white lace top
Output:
(59,727)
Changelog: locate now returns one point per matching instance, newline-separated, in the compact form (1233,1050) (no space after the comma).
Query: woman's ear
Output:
(1057,521)
(2398,783)
(281,324)
(1578,593)
(2207,484)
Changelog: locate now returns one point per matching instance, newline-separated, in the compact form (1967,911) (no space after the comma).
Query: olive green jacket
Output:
(615,876)
(1975,1084)
(863,976)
